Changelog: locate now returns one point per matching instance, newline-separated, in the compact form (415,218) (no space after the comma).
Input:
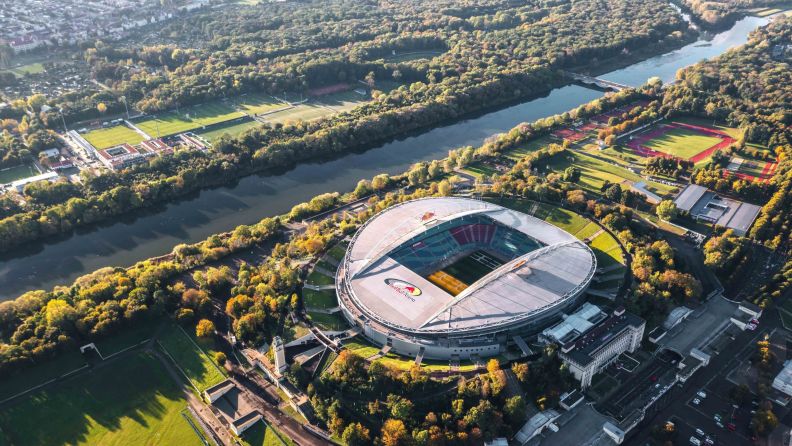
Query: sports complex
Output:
(453,278)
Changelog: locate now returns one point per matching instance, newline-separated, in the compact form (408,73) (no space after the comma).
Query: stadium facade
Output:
(454,278)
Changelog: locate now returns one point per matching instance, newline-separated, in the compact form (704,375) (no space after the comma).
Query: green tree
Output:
(666,210)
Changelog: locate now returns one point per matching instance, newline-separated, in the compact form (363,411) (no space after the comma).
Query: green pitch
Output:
(189,118)
(194,362)
(130,401)
(682,143)
(469,269)
(113,136)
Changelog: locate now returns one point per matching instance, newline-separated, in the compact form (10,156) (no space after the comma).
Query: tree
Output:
(205,328)
(355,435)
(666,210)
(394,433)
(101,108)
(220,358)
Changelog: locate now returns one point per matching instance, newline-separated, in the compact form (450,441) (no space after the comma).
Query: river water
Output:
(126,241)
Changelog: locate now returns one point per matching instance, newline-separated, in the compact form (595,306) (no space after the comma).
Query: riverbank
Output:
(133,238)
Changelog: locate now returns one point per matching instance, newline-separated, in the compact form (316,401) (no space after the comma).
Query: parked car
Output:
(731,427)
(696,401)
(701,394)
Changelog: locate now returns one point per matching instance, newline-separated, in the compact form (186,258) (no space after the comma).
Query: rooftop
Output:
(528,284)
(704,204)
(582,350)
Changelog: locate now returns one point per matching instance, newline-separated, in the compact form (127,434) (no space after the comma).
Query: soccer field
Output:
(257,103)
(132,401)
(113,136)
(682,143)
(189,118)
(191,359)
(234,129)
(17,173)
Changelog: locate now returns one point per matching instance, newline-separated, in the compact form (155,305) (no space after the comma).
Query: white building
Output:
(783,381)
(279,354)
(586,353)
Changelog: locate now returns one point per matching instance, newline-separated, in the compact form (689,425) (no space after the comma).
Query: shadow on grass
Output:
(77,410)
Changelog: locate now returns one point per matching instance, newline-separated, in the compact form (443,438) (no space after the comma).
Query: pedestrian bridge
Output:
(602,83)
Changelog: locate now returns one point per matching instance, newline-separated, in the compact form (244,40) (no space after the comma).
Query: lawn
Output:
(21,71)
(519,153)
(342,100)
(28,377)
(319,299)
(189,118)
(258,103)
(337,252)
(232,129)
(113,136)
(194,362)
(264,435)
(331,322)
(564,219)
(607,250)
(317,278)
(301,112)
(127,337)
(128,402)
(11,174)
(361,347)
(587,231)
(413,56)
(480,170)
(682,143)
(593,171)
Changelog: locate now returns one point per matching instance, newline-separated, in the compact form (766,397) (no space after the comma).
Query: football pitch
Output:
(113,136)
(189,118)
(682,143)
(465,271)
(129,401)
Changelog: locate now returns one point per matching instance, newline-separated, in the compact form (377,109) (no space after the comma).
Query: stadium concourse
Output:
(454,278)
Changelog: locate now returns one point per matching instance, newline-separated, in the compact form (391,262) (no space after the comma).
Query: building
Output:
(783,381)
(155,147)
(588,348)
(231,403)
(641,188)
(536,425)
(456,278)
(279,354)
(19,185)
(707,206)
(119,157)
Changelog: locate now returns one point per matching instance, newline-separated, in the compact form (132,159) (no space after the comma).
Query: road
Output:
(712,379)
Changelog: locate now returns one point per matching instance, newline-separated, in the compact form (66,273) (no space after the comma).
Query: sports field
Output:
(113,136)
(681,143)
(257,103)
(33,68)
(751,169)
(17,173)
(233,129)
(193,361)
(189,118)
(264,435)
(319,299)
(465,271)
(130,401)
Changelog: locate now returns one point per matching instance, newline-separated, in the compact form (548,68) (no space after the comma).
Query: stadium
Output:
(455,278)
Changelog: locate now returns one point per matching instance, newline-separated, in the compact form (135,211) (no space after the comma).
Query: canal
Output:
(128,240)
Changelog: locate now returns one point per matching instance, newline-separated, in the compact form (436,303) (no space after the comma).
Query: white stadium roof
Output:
(524,287)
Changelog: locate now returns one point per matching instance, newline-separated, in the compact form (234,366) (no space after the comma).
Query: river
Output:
(123,242)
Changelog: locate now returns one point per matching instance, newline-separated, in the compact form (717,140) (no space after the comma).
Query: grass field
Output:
(128,337)
(319,299)
(587,231)
(470,269)
(480,170)
(38,374)
(607,250)
(593,171)
(682,143)
(317,278)
(264,435)
(302,112)
(193,361)
(361,347)
(233,129)
(113,136)
(17,173)
(21,71)
(332,322)
(188,118)
(337,252)
(132,401)
(519,153)
(257,103)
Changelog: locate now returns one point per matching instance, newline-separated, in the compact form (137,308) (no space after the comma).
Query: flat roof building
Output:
(783,381)
(707,206)
(589,353)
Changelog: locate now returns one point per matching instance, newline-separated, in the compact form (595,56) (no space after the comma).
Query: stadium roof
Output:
(527,285)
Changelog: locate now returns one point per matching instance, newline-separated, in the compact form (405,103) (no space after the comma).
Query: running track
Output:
(637,144)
